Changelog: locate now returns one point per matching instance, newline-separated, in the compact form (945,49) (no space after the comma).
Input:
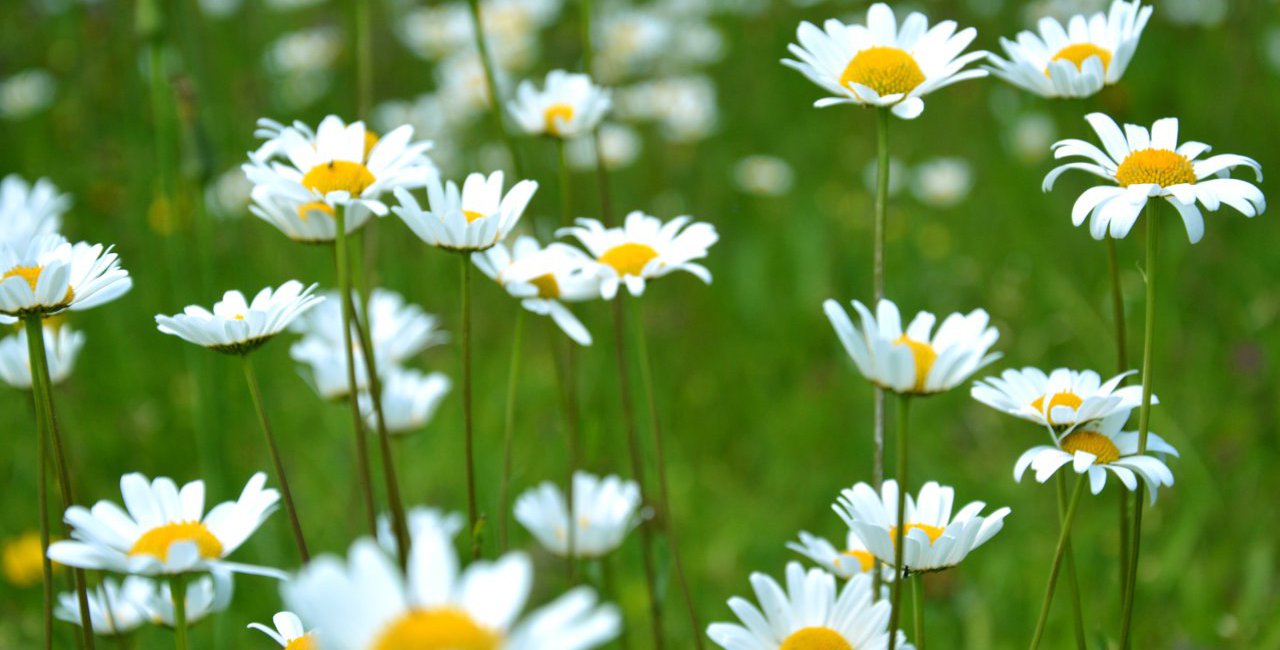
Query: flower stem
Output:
(568,375)
(1063,541)
(341,261)
(509,427)
(917,598)
(1073,582)
(881,216)
(473,517)
(611,591)
(178,596)
(901,573)
(290,507)
(491,81)
(1122,365)
(1144,419)
(42,500)
(585,25)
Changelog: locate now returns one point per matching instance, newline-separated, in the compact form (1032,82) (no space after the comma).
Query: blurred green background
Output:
(766,419)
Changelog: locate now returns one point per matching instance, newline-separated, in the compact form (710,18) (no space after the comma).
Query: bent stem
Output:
(917,598)
(473,516)
(1063,541)
(290,507)
(901,573)
(881,216)
(508,433)
(1073,582)
(178,596)
(491,82)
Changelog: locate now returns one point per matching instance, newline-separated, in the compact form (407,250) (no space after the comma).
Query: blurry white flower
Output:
(227,197)
(115,608)
(643,249)
(852,560)
(219,8)
(619,144)
(763,175)
(471,219)
(237,326)
(291,5)
(462,86)
(942,182)
(684,108)
(287,631)
(1032,135)
(28,210)
(605,509)
(26,93)
(1271,48)
(629,39)
(569,105)
(409,399)
(1200,13)
(543,279)
(307,50)
(898,176)
(206,595)
(62,345)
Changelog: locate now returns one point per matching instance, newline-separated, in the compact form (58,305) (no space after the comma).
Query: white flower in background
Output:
(1100,448)
(1197,13)
(605,509)
(845,563)
(398,329)
(942,182)
(30,210)
(300,52)
(428,116)
(26,93)
(287,631)
(1032,135)
(165,531)
(365,603)
(409,399)
(61,344)
(684,108)
(1075,60)
(543,279)
(48,274)
(206,595)
(882,63)
(228,196)
(917,360)
(630,40)
(291,5)
(325,367)
(471,219)
(236,326)
(569,105)
(899,174)
(1061,400)
(763,175)
(115,608)
(619,146)
(451,523)
(934,540)
(643,249)
(462,85)
(435,31)
(1144,165)
(809,614)
(219,8)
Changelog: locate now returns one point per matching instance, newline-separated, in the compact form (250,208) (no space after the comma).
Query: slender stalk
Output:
(1073,581)
(1063,540)
(1122,365)
(363,59)
(901,573)
(637,467)
(178,596)
(1144,418)
(495,99)
(569,374)
(881,216)
(42,500)
(341,261)
(255,391)
(473,516)
(585,25)
(508,433)
(611,591)
(917,598)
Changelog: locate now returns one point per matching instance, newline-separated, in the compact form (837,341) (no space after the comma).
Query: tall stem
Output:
(637,467)
(364,59)
(342,261)
(917,598)
(611,591)
(1122,365)
(568,375)
(664,492)
(491,81)
(509,427)
(178,596)
(473,516)
(881,216)
(1144,418)
(42,500)
(1073,582)
(585,26)
(290,507)
(901,573)
(1063,540)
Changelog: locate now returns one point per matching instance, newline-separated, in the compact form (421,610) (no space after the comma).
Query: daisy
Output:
(62,345)
(1143,165)
(644,248)
(809,613)
(115,608)
(288,632)
(451,523)
(30,210)
(409,399)
(236,326)
(568,106)
(473,219)
(1060,400)
(324,367)
(883,64)
(308,222)
(48,274)
(163,530)
(915,361)
(398,329)
(339,164)
(604,511)
(544,278)
(854,560)
(206,595)
(934,539)
(1075,60)
(1097,450)
(367,604)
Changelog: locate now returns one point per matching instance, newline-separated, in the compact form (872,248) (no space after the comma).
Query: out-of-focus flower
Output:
(26,93)
(115,608)
(619,144)
(24,560)
(568,106)
(409,399)
(763,175)
(291,5)
(29,210)
(1200,13)
(62,346)
(684,108)
(287,631)
(942,182)
(228,196)
(605,509)
(852,560)
(899,175)
(219,8)
(1031,136)
(206,595)
(643,249)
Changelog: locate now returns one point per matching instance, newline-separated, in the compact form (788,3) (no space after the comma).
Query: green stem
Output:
(585,26)
(178,596)
(289,505)
(1063,540)
(881,216)
(917,597)
(508,433)
(901,573)
(364,59)
(611,591)
(1144,419)
(1122,365)
(1073,581)
(495,99)
(42,500)
(568,375)
(473,516)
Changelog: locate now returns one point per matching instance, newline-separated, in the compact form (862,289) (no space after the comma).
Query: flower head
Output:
(30,210)
(852,560)
(544,278)
(1099,449)
(409,399)
(1061,400)
(206,595)
(568,106)
(605,509)
(288,632)
(48,274)
(644,248)
(115,608)
(62,345)
(237,326)
(474,218)
(308,222)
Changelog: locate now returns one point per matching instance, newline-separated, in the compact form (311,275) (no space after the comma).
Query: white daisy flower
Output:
(914,361)
(236,326)
(62,345)
(809,613)
(164,530)
(308,222)
(853,560)
(1097,450)
(605,509)
(473,219)
(1143,165)
(367,604)
(338,164)
(30,210)
(568,106)
(1075,60)
(324,367)
(206,595)
(644,248)
(1061,400)
(934,539)
(288,632)
(451,523)
(115,608)
(398,329)
(884,64)
(48,274)
(409,399)
(544,278)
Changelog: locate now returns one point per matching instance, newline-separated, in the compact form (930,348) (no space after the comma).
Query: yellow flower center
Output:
(32,275)
(886,70)
(933,532)
(1065,398)
(555,115)
(1159,166)
(24,560)
(472,215)
(436,629)
(338,175)
(629,258)
(865,559)
(924,354)
(1091,442)
(1078,53)
(304,642)
(156,542)
(815,638)
(547,286)
(308,210)
(370,141)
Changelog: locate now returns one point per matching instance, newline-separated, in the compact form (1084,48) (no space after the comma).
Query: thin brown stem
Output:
(291,508)
(473,514)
